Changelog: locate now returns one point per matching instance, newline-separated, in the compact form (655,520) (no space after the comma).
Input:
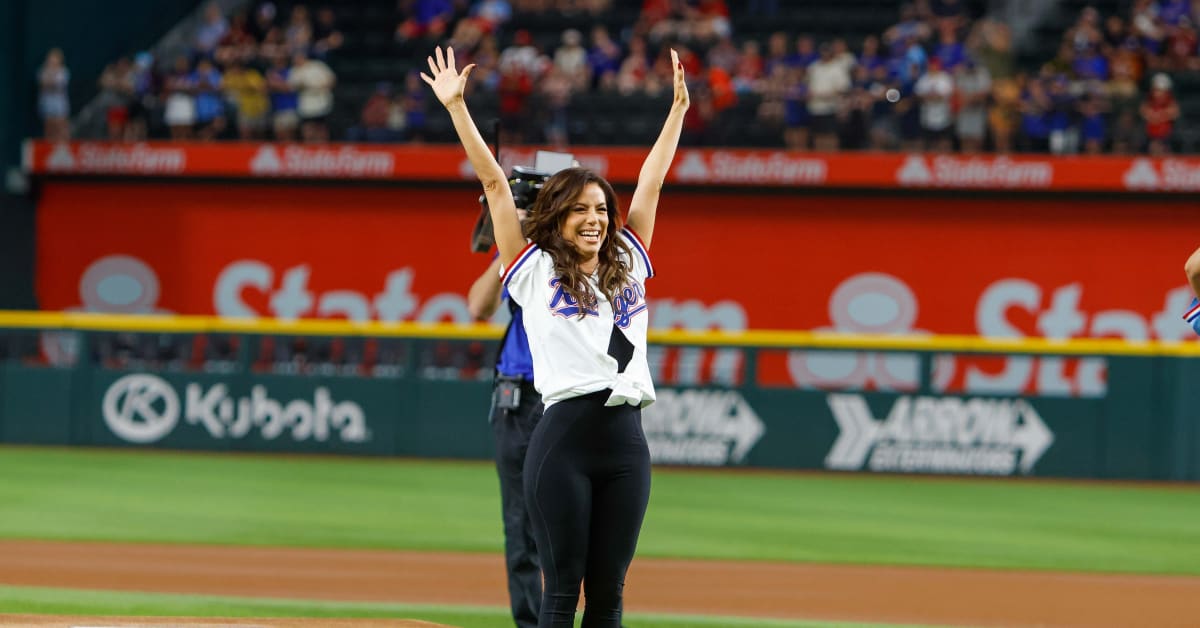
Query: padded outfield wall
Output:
(134,232)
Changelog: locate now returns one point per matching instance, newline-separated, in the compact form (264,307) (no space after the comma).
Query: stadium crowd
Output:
(938,79)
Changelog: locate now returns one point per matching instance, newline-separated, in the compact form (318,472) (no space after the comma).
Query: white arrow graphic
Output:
(1033,438)
(859,430)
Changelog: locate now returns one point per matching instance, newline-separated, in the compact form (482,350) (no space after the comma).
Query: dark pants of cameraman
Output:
(511,430)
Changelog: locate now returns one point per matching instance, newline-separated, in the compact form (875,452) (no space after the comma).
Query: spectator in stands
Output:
(299,31)
(54,106)
(326,37)
(1114,34)
(1060,120)
(264,21)
(973,86)
(313,82)
(1126,73)
(806,53)
(948,14)
(777,52)
(516,87)
(884,92)
(870,58)
(604,58)
(1090,66)
(428,18)
(145,97)
(748,73)
(1086,32)
(708,21)
(246,88)
(856,117)
(828,83)
(797,116)
(1035,111)
(180,112)
(116,95)
(285,118)
(414,101)
(635,69)
(950,51)
(1148,29)
(1004,114)
(238,44)
(1093,131)
(210,105)
(373,122)
(901,36)
(1159,111)
(212,29)
(1181,47)
(554,94)
(274,45)
(723,55)
(491,14)
(935,89)
(571,62)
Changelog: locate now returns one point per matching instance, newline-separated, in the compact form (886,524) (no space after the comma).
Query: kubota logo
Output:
(142,408)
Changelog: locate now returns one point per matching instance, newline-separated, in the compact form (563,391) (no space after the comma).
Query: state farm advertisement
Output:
(1058,268)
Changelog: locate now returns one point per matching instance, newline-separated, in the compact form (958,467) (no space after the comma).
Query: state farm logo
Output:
(1168,175)
(140,408)
(726,167)
(116,159)
(346,161)
(982,172)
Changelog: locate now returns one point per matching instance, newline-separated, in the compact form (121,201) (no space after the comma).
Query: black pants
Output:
(511,430)
(587,481)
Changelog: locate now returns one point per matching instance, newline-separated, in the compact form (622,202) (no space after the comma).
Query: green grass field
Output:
(113,495)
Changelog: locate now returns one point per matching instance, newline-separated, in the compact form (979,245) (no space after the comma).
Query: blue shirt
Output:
(515,359)
(1192,316)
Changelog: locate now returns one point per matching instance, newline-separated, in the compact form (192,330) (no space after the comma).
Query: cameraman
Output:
(516,408)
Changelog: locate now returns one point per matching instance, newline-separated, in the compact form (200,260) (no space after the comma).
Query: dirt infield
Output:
(962,597)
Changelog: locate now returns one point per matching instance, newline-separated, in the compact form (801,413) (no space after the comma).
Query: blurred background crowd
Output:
(935,75)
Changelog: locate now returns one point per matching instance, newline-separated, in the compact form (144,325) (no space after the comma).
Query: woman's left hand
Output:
(682,100)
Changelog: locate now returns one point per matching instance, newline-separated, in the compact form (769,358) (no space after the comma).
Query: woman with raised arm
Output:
(579,276)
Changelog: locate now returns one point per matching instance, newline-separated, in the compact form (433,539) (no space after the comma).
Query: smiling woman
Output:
(579,277)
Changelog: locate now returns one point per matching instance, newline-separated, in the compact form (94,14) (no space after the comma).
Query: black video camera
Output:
(525,184)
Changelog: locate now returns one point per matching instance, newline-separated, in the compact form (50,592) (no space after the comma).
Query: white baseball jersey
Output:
(571,354)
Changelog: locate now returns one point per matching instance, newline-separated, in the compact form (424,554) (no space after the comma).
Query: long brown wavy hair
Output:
(544,228)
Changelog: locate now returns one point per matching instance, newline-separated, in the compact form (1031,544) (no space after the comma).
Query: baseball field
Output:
(121,533)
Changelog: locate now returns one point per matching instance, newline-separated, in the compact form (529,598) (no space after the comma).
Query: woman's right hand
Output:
(447,83)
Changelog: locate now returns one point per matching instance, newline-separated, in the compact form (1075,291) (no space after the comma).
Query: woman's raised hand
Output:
(681,91)
(447,83)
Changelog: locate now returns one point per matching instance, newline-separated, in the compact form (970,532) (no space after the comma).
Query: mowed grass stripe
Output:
(242,499)
(52,601)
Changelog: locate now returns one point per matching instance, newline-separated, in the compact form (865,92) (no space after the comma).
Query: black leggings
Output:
(587,483)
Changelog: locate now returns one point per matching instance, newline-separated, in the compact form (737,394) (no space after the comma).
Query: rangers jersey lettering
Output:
(603,349)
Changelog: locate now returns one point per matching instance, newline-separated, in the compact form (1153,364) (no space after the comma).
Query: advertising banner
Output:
(702,167)
(261,413)
(1002,267)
